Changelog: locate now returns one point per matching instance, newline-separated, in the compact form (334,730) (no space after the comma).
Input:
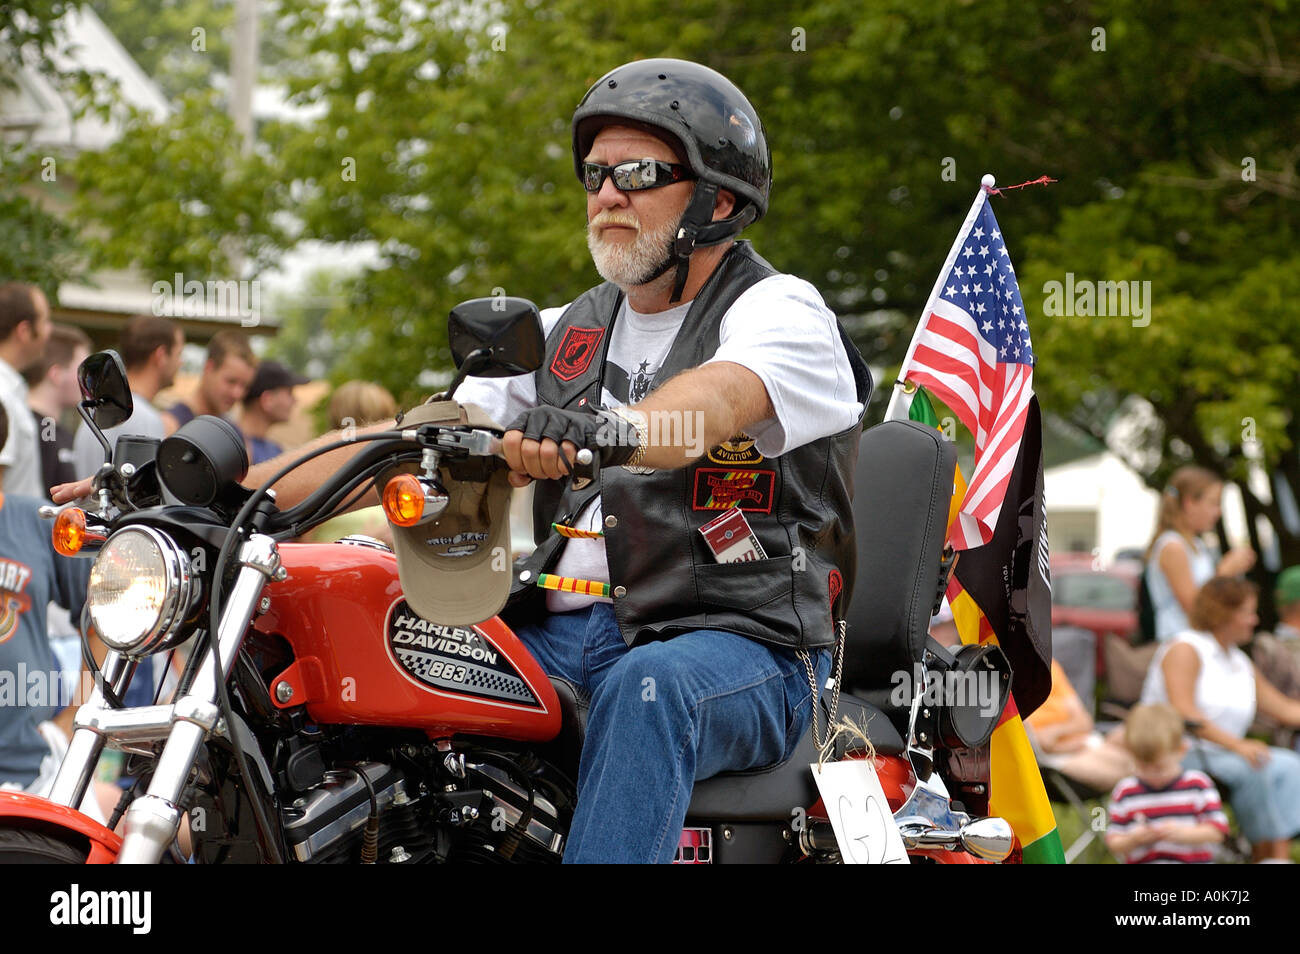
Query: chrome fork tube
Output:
(153,818)
(78,765)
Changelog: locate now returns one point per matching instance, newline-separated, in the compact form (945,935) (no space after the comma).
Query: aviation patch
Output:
(739,450)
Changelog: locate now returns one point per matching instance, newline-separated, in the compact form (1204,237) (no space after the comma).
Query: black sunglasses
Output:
(634,175)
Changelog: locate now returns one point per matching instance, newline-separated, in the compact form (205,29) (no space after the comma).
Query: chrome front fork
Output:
(154,818)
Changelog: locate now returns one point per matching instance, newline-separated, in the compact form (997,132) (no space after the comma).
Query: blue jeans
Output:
(663,715)
(1265,800)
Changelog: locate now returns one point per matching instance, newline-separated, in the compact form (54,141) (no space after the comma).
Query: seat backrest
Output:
(901,495)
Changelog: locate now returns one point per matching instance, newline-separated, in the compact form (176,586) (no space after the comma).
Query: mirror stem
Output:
(474,362)
(84,410)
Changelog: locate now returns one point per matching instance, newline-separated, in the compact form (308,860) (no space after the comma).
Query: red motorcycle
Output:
(320,719)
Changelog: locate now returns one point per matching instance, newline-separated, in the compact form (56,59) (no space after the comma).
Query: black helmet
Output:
(717,128)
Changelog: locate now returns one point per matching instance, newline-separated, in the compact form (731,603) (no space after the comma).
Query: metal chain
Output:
(835,690)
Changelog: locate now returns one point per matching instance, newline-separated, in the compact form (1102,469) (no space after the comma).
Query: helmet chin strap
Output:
(697,229)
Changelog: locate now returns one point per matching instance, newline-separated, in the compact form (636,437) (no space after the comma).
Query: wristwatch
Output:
(638,421)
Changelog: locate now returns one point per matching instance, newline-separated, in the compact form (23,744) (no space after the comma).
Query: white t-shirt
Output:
(20,455)
(144,421)
(779,328)
(1225,688)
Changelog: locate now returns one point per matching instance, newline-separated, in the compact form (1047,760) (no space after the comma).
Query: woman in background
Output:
(1178,560)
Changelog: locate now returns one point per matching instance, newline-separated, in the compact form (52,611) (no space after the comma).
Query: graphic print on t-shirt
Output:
(13,601)
(629,388)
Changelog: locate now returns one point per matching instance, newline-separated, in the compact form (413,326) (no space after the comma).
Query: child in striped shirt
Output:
(1163,813)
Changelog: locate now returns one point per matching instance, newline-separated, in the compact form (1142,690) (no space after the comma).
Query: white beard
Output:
(628,265)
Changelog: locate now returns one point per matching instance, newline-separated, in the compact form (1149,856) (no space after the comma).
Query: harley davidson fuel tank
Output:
(363,656)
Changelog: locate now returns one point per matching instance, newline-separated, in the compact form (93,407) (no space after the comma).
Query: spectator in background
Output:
(269,401)
(226,375)
(1277,655)
(151,350)
(1286,596)
(52,393)
(358,403)
(1164,812)
(24,329)
(1065,738)
(37,711)
(1178,561)
(1203,674)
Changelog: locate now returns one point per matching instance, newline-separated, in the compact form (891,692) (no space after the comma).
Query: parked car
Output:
(1100,599)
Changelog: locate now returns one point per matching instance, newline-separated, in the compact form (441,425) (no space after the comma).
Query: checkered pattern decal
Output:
(479,680)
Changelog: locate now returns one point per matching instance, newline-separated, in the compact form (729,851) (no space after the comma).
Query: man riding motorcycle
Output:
(692,666)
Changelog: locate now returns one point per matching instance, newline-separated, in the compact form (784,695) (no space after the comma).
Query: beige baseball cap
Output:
(456,570)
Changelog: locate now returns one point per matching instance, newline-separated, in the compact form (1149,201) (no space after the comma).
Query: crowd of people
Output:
(43,444)
(1189,741)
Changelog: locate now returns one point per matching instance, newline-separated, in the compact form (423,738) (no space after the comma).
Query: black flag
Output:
(1009,576)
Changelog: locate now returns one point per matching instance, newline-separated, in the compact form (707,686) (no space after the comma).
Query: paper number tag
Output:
(860,813)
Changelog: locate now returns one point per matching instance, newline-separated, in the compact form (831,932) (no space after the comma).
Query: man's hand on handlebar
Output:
(534,440)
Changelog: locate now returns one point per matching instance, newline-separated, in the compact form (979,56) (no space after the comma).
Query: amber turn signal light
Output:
(404,500)
(69,531)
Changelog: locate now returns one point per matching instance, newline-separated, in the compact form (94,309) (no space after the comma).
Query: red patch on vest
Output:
(720,488)
(835,583)
(577,348)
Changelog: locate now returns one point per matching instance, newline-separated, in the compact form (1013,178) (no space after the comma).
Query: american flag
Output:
(972,350)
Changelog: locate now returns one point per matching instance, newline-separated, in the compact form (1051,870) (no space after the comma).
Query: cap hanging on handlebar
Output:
(456,569)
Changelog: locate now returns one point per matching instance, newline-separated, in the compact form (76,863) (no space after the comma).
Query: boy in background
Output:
(1163,813)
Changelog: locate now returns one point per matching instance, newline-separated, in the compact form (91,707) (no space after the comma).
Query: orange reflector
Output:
(404,500)
(69,531)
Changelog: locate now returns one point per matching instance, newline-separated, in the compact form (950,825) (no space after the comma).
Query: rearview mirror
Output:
(496,337)
(104,388)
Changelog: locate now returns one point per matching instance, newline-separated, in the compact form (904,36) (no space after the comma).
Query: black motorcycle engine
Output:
(327,823)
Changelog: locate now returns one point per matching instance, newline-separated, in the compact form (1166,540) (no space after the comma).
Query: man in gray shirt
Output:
(24,329)
(151,350)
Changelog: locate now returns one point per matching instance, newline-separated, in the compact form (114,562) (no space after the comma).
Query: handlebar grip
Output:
(584,465)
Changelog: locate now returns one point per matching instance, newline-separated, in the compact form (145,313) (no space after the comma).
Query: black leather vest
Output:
(664,578)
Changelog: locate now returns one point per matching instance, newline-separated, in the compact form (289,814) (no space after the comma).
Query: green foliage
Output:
(35,246)
(314,325)
(181,44)
(181,197)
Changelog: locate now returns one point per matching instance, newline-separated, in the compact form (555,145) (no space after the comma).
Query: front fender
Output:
(104,845)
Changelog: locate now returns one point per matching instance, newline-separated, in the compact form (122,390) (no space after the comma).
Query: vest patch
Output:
(834,583)
(739,450)
(718,488)
(576,351)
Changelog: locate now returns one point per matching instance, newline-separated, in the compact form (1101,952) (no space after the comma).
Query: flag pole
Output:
(898,407)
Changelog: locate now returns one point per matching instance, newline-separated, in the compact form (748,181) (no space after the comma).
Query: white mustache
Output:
(606,220)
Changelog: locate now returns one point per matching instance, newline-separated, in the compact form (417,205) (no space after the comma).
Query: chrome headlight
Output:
(141,590)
